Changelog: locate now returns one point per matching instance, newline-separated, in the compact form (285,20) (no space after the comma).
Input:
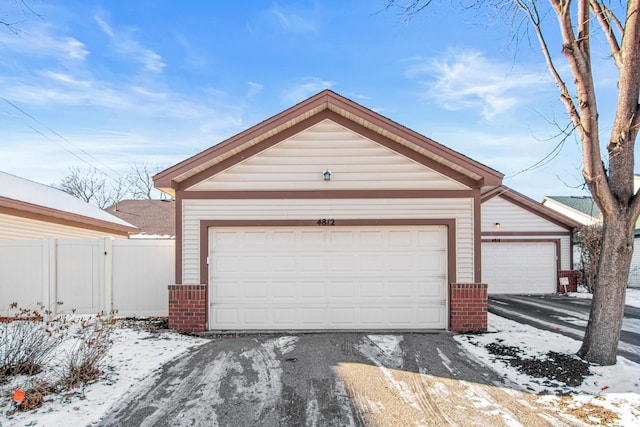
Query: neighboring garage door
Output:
(519,267)
(327,278)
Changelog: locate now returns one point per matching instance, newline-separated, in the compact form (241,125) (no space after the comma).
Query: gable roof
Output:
(152,217)
(326,105)
(532,206)
(584,204)
(22,197)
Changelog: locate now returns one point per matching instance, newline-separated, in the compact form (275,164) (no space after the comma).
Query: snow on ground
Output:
(613,387)
(633,297)
(135,354)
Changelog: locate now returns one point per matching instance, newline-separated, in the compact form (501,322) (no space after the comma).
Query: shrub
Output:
(84,358)
(57,354)
(27,342)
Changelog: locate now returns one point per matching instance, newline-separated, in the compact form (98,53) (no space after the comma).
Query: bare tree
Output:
(12,24)
(589,239)
(91,186)
(140,180)
(612,187)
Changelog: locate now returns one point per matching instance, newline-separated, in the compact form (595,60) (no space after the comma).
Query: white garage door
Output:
(328,278)
(519,267)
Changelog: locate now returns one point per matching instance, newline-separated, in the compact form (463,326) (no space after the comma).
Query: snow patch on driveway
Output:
(264,385)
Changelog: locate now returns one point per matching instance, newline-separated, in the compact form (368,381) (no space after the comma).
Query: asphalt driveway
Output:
(329,379)
(567,316)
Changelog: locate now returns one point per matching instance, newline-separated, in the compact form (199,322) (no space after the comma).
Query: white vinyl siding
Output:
(356,163)
(17,228)
(372,277)
(634,272)
(513,219)
(195,210)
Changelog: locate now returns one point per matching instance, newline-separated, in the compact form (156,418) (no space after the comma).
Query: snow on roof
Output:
(24,190)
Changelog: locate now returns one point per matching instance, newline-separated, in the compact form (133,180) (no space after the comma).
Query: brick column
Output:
(188,308)
(468,307)
(572,275)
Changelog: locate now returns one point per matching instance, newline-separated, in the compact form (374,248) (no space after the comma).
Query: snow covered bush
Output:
(27,342)
(43,354)
(84,355)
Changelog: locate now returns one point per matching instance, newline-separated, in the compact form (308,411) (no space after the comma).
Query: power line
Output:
(65,140)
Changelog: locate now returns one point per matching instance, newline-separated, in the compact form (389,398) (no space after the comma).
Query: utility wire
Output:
(66,140)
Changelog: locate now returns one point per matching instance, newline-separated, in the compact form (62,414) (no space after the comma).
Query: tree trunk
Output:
(600,342)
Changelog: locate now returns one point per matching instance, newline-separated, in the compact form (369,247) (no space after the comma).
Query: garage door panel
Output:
(341,290)
(372,289)
(519,267)
(226,316)
(372,263)
(313,316)
(283,290)
(313,290)
(372,317)
(328,278)
(430,316)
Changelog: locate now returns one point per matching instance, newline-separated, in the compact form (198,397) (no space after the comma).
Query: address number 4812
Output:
(325,221)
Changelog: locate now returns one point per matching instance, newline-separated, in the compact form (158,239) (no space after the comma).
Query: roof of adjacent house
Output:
(584,204)
(532,206)
(154,218)
(22,197)
(324,105)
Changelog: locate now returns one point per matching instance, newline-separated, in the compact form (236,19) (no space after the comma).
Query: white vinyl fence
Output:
(87,276)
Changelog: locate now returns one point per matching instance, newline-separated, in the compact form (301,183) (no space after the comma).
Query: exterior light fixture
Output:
(326,175)
(497,225)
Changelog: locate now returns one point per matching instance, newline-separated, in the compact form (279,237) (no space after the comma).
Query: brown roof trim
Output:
(532,206)
(41,213)
(325,100)
(315,119)
(328,194)
(493,193)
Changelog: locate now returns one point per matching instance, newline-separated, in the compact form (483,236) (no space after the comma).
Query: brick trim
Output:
(188,308)
(468,307)
(572,275)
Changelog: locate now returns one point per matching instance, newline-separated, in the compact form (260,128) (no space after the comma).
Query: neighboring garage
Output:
(331,216)
(520,267)
(524,244)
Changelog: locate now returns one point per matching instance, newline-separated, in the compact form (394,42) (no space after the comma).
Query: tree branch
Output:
(604,17)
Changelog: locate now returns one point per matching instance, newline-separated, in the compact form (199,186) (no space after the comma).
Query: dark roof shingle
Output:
(152,217)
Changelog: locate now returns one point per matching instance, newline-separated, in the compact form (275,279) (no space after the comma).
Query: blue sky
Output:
(110,83)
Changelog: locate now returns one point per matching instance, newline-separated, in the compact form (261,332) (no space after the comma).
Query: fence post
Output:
(106,270)
(50,274)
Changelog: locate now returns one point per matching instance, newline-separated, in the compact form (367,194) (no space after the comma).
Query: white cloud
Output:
(66,79)
(124,42)
(469,80)
(292,22)
(147,57)
(104,26)
(310,86)
(254,88)
(40,40)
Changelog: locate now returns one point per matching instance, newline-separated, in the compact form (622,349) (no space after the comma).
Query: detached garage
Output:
(525,245)
(328,216)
